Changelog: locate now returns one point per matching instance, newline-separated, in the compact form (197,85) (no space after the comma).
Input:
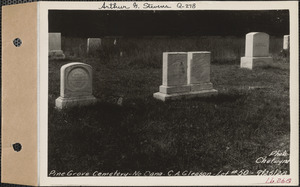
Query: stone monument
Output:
(75,86)
(256,50)
(55,51)
(93,46)
(185,75)
(286,42)
(199,72)
(174,80)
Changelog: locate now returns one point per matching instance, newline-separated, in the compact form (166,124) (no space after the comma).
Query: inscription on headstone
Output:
(78,79)
(75,85)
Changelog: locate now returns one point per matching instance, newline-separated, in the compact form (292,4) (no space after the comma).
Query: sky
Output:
(82,23)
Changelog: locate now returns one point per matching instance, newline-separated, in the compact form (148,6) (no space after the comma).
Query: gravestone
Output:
(174,79)
(93,46)
(55,51)
(75,86)
(185,76)
(286,42)
(256,50)
(199,71)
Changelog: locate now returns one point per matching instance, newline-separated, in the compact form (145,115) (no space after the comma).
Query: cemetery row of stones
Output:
(224,49)
(185,74)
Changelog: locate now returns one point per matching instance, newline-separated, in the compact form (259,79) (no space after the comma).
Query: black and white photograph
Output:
(149,93)
(169,93)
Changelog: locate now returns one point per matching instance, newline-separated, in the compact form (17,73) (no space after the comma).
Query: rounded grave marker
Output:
(75,85)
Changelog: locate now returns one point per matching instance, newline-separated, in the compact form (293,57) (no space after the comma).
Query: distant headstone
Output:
(93,46)
(55,51)
(256,50)
(75,86)
(286,42)
(183,76)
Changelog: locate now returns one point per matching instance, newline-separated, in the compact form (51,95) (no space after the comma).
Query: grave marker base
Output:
(250,62)
(62,103)
(200,87)
(174,89)
(187,95)
(56,55)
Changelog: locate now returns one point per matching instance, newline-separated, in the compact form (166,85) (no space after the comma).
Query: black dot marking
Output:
(17,42)
(17,147)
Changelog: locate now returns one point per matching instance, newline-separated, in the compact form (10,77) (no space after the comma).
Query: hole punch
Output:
(17,147)
(17,42)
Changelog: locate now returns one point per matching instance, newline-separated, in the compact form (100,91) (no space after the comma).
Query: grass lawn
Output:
(248,119)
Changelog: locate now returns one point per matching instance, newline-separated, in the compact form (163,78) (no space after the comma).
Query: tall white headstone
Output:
(55,51)
(256,50)
(286,42)
(75,85)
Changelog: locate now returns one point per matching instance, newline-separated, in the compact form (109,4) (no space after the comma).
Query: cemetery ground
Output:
(128,130)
